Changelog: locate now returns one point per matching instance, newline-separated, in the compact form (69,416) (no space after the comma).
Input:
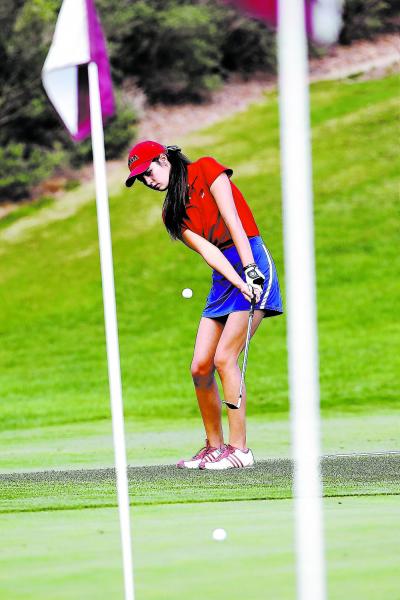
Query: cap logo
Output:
(132,159)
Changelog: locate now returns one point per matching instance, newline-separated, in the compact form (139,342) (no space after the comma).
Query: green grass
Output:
(55,414)
(364,475)
(26,210)
(88,445)
(76,554)
(54,409)
(53,350)
(36,461)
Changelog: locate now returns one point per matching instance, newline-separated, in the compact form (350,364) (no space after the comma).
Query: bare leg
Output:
(230,346)
(202,369)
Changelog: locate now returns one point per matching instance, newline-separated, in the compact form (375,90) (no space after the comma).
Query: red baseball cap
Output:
(140,158)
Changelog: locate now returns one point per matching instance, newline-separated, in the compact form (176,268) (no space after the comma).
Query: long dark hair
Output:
(174,207)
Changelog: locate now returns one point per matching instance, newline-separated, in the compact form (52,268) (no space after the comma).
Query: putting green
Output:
(76,554)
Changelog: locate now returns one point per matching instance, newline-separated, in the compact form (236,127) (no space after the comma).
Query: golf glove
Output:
(254,278)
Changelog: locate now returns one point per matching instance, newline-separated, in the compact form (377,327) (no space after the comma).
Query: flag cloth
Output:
(78,40)
(266,10)
(323,17)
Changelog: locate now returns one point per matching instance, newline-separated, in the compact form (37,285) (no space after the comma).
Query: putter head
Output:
(233,406)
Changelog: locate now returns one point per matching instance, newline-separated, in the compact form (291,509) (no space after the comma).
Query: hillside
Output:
(53,349)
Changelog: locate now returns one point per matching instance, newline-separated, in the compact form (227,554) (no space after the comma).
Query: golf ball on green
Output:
(187,293)
(219,535)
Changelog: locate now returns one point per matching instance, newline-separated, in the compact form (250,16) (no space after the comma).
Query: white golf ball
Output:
(219,534)
(187,293)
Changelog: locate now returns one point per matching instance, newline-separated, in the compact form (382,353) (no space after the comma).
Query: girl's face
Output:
(157,175)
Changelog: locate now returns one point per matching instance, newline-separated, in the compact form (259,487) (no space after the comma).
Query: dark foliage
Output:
(32,140)
(175,50)
(365,18)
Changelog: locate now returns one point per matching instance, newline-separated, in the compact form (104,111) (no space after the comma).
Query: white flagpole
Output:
(301,298)
(110,315)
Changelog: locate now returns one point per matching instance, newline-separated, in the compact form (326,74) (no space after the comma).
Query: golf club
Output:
(246,351)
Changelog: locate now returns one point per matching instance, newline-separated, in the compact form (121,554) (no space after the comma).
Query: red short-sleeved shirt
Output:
(203,215)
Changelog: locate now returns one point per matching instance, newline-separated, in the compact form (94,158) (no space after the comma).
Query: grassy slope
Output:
(53,350)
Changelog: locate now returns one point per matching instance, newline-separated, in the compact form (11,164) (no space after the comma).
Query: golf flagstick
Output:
(246,352)
(299,253)
(110,315)
(77,78)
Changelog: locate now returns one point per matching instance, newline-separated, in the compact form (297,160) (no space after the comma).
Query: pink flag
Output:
(323,17)
(78,40)
(266,10)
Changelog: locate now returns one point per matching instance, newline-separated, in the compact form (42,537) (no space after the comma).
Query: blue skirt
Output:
(225,298)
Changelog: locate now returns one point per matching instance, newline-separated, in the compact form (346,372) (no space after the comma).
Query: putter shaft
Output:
(246,352)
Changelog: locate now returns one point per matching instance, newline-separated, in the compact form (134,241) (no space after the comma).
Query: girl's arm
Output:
(222,192)
(214,257)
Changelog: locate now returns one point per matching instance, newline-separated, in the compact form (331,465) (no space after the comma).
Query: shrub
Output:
(32,139)
(363,19)
(22,166)
(172,49)
(248,45)
(175,50)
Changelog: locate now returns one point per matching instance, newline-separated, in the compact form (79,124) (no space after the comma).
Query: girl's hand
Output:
(247,291)
(254,279)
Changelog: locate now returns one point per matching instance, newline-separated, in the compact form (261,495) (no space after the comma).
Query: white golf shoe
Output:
(204,454)
(229,458)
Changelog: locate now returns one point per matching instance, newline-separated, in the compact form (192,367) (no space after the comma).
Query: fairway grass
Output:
(76,554)
(89,445)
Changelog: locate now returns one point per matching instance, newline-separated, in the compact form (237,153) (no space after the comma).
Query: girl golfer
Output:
(207,212)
